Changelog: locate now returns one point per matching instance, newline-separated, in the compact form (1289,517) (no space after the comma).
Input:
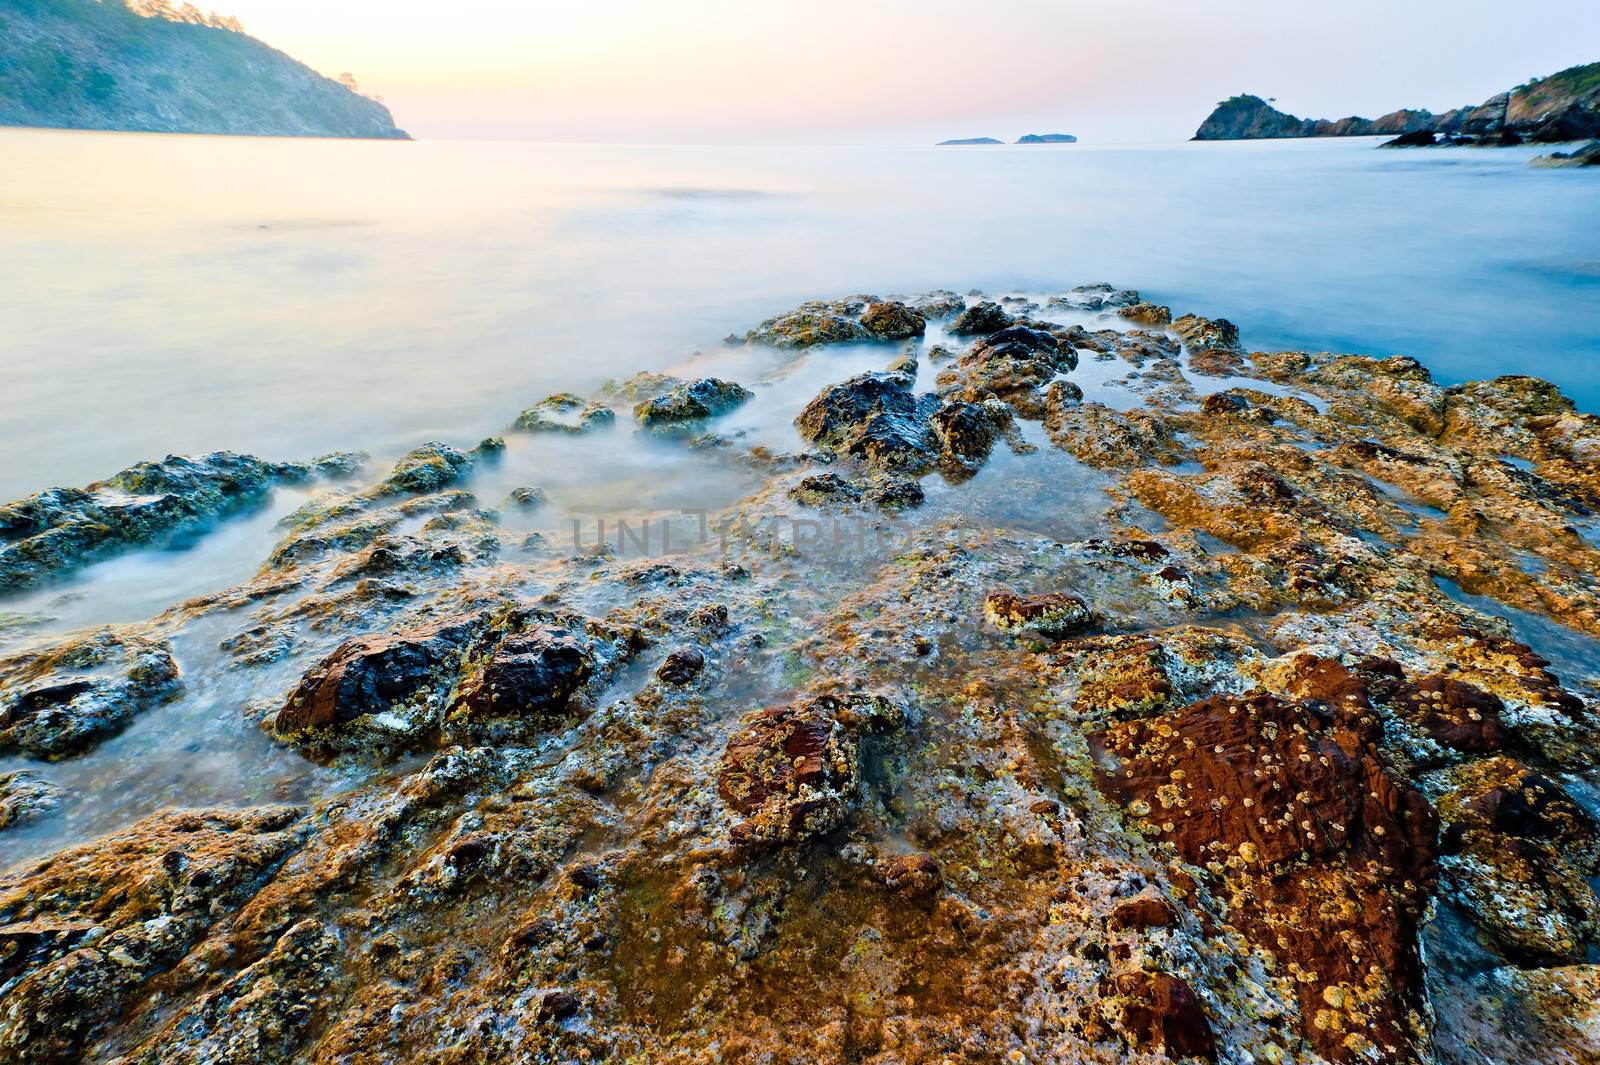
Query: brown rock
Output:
(1455,713)
(681,666)
(1144,911)
(1300,817)
(367,674)
(1162,1012)
(793,771)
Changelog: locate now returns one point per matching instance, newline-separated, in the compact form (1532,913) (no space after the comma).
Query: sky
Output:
(898,71)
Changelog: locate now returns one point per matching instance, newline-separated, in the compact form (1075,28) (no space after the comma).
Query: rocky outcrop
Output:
(48,535)
(1589,155)
(1047,138)
(691,403)
(1562,107)
(1178,732)
(141,65)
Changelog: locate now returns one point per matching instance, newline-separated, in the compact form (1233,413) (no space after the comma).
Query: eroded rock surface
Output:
(1173,730)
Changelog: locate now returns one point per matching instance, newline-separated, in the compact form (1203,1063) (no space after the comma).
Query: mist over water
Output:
(286,298)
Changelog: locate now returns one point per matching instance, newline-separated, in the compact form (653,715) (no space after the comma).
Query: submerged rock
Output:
(62,701)
(564,412)
(24,797)
(61,529)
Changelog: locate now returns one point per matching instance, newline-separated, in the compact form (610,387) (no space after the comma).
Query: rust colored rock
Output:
(1296,812)
(1144,911)
(367,674)
(532,672)
(1163,1012)
(793,771)
(1053,614)
(681,666)
(1455,713)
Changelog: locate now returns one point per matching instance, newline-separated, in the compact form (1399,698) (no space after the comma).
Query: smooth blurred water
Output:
(283,297)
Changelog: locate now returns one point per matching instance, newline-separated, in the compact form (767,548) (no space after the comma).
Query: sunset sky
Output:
(829,71)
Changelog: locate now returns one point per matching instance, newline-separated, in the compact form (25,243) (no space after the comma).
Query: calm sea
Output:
(289,297)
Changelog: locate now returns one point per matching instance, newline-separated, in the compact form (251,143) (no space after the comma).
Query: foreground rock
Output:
(1175,734)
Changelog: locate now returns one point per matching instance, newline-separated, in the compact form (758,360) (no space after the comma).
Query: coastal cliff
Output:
(1562,107)
(149,66)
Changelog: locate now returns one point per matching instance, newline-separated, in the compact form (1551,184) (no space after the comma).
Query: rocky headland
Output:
(1146,711)
(1562,107)
(154,66)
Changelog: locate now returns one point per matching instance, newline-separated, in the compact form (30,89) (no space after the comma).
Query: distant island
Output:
(1562,107)
(153,66)
(1030,138)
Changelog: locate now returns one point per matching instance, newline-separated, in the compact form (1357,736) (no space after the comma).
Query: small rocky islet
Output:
(1243,775)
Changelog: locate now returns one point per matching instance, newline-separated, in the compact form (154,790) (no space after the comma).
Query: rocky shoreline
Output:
(1082,686)
(1560,108)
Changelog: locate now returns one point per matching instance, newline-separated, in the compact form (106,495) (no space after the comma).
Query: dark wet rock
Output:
(812,324)
(1417,138)
(692,402)
(967,433)
(824,490)
(874,417)
(892,320)
(498,675)
(64,700)
(25,796)
(368,674)
(890,493)
(793,772)
(981,319)
(564,412)
(533,672)
(428,468)
(1054,615)
(1161,1012)
(681,666)
(59,530)
(1014,365)
(1301,815)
